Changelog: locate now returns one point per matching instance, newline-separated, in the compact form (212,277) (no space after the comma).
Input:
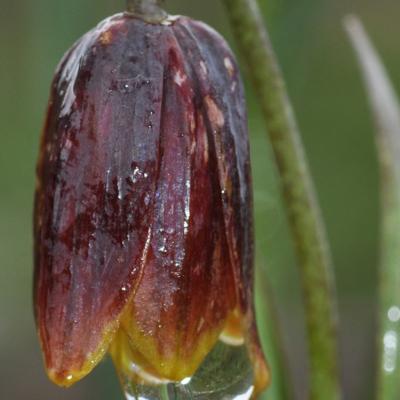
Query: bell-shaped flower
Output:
(143,212)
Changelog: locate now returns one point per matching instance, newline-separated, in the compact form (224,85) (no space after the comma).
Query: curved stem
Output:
(149,10)
(302,207)
(385,107)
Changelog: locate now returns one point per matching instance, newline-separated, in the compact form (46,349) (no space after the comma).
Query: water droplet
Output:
(108,180)
(226,373)
(125,86)
(394,314)
(163,249)
(390,351)
(186,380)
(185,226)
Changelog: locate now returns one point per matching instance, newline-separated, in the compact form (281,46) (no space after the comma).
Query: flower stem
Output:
(149,10)
(386,111)
(302,207)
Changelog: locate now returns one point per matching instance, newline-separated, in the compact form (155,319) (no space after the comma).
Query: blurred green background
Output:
(326,90)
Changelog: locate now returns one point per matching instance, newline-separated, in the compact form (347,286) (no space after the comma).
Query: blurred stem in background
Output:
(298,193)
(386,111)
(271,339)
(164,392)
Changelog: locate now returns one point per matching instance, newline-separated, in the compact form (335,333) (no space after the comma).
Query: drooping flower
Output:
(143,209)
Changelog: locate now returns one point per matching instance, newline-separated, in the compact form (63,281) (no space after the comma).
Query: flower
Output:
(143,208)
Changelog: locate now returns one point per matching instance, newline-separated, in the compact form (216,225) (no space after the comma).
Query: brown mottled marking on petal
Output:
(206,149)
(106,37)
(192,124)
(229,66)
(216,117)
(204,145)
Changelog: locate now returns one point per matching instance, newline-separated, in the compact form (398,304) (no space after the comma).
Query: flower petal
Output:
(225,115)
(97,173)
(187,289)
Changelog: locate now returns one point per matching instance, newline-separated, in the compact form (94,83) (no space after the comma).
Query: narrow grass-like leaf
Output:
(386,112)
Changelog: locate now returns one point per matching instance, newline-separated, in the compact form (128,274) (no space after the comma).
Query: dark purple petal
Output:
(143,216)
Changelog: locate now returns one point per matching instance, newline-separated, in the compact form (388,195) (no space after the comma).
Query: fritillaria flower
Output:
(143,211)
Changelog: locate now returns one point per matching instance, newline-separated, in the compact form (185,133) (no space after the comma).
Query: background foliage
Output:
(326,90)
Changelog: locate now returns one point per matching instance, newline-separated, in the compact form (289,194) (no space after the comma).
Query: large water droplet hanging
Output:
(225,374)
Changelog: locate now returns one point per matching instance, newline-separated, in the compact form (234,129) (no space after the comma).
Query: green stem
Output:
(386,111)
(298,192)
(164,392)
(149,10)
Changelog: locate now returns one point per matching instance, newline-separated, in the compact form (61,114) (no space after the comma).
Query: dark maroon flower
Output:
(143,213)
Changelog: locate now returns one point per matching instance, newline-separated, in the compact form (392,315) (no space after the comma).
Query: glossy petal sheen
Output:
(143,215)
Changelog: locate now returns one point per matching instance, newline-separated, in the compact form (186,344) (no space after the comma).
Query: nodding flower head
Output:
(143,209)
